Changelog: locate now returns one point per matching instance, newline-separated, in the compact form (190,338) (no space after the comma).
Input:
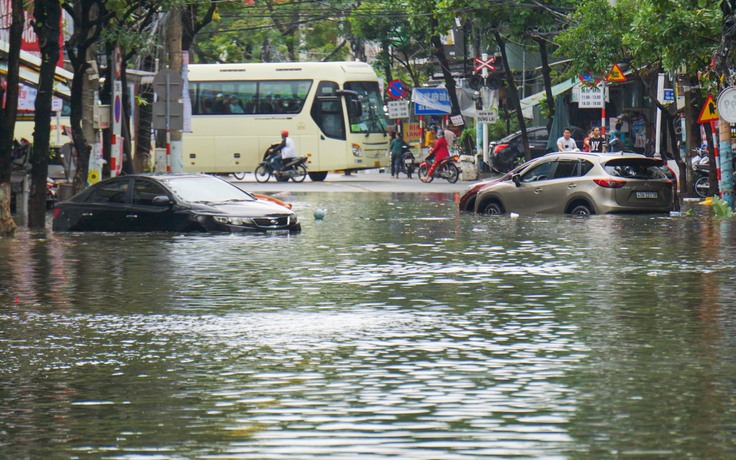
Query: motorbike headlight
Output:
(357,151)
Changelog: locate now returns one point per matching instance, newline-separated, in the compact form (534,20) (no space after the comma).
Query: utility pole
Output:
(173,46)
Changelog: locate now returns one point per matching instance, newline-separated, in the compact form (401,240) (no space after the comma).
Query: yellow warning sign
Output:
(616,74)
(709,112)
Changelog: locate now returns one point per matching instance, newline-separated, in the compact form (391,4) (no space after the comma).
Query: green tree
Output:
(8,116)
(387,23)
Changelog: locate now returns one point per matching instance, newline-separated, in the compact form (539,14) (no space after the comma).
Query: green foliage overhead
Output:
(675,33)
(645,33)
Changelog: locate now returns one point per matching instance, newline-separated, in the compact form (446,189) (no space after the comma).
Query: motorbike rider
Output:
(285,152)
(439,152)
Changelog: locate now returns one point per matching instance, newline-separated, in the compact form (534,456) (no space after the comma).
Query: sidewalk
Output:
(371,180)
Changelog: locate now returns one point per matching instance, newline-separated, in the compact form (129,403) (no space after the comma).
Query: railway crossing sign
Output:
(484,63)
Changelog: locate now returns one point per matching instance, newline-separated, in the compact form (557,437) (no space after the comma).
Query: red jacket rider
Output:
(439,151)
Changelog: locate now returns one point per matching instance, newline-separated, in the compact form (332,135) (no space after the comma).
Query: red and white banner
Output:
(30,40)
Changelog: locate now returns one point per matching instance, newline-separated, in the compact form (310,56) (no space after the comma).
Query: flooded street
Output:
(395,327)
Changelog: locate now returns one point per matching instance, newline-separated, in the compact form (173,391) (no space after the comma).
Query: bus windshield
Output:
(372,118)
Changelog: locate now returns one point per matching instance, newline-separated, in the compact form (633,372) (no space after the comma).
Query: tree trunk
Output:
(514,93)
(547,74)
(46,14)
(439,52)
(8,116)
(88,17)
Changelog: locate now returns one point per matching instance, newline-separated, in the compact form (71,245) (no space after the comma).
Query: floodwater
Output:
(395,327)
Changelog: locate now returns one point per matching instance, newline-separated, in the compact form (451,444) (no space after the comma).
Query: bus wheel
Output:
(318,176)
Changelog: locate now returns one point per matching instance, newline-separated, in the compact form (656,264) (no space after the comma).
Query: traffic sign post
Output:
(709,112)
(487,116)
(727,110)
(484,65)
(398,109)
(397,90)
(616,75)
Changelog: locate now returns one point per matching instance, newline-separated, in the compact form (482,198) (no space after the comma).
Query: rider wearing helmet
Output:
(439,152)
(287,150)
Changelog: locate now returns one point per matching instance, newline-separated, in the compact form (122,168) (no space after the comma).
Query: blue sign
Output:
(669,95)
(431,101)
(396,90)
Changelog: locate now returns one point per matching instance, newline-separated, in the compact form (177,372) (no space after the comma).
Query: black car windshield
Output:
(206,189)
(635,168)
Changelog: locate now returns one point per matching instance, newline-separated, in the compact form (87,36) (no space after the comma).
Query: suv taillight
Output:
(499,147)
(610,183)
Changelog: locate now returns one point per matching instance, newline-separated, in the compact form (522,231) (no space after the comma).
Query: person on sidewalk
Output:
(397,153)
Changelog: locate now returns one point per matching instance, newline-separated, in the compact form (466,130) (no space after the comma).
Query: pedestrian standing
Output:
(616,145)
(397,151)
(596,141)
(450,138)
(621,134)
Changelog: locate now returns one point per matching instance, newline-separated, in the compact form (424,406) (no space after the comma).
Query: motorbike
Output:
(292,168)
(52,193)
(407,162)
(445,170)
(701,173)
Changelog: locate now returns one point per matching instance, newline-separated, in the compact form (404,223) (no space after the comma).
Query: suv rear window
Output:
(634,168)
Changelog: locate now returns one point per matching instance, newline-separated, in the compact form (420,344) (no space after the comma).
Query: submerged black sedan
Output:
(171,203)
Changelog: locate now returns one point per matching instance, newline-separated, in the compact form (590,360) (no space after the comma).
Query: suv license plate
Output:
(647,195)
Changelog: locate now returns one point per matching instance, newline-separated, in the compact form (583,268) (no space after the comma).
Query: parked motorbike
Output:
(701,174)
(447,169)
(407,162)
(52,193)
(294,168)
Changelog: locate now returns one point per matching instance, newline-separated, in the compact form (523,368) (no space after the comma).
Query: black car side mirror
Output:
(516,179)
(161,200)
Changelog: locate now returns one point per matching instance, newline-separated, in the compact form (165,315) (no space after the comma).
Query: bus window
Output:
(248,97)
(372,118)
(327,110)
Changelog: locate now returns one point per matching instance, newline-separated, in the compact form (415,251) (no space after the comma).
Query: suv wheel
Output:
(581,209)
(492,208)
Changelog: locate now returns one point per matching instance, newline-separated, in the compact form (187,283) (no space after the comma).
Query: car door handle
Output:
(88,214)
(132,216)
(571,186)
(538,190)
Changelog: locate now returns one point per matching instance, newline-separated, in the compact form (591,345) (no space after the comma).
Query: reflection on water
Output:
(395,327)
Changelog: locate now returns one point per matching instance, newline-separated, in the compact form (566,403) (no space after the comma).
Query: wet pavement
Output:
(371,180)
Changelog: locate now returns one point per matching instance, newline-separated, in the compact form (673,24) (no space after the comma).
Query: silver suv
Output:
(581,183)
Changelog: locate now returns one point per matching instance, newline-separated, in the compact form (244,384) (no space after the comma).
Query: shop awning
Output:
(528,103)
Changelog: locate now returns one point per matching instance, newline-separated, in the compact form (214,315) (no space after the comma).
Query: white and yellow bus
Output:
(332,110)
